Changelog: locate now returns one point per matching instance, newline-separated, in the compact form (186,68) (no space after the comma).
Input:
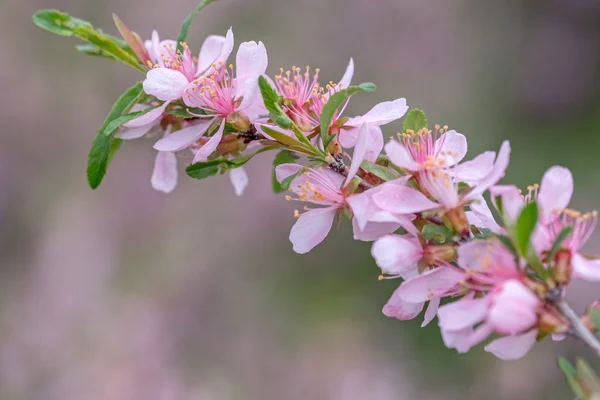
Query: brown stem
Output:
(339,167)
(578,327)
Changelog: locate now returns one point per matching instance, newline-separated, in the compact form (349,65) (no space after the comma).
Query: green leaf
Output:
(187,23)
(572,377)
(587,377)
(205,169)
(133,41)
(272,102)
(110,46)
(524,227)
(92,50)
(505,240)
(283,157)
(414,121)
(185,113)
(383,173)
(595,318)
(105,145)
(116,123)
(58,22)
(562,236)
(334,103)
(438,232)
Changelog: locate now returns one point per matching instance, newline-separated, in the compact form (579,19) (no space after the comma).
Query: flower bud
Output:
(550,321)
(458,221)
(301,123)
(239,121)
(562,267)
(433,253)
(334,146)
(230,144)
(536,287)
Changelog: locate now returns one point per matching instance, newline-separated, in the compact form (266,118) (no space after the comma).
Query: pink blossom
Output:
(319,186)
(221,96)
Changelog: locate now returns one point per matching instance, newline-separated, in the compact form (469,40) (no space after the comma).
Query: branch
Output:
(339,167)
(578,327)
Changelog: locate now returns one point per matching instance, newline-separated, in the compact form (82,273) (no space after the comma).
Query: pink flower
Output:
(417,151)
(174,71)
(221,96)
(442,186)
(510,309)
(318,186)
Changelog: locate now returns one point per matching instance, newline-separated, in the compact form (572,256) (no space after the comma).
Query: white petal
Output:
(347,78)
(165,84)
(164,175)
(239,180)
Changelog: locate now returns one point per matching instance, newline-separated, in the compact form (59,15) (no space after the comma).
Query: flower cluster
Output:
(501,271)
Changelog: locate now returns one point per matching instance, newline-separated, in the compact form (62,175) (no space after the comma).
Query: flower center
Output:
(424,146)
(178,61)
(583,226)
(215,93)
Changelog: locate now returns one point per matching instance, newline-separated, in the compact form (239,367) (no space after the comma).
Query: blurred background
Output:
(127,293)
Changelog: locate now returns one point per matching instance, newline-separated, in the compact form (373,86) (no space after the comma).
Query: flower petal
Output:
(359,153)
(239,180)
(485,218)
(435,282)
(133,133)
(463,313)
(452,146)
(149,118)
(395,254)
(347,78)
(497,172)
(555,192)
(400,156)
(402,200)
(210,146)
(225,52)
(431,311)
(397,308)
(164,175)
(475,169)
(585,269)
(311,228)
(165,84)
(251,60)
(182,138)
(382,113)
(210,50)
(284,171)
(512,347)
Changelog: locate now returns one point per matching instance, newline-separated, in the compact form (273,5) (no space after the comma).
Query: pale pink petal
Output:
(395,254)
(284,171)
(133,133)
(400,156)
(452,339)
(463,313)
(555,192)
(374,143)
(164,175)
(512,347)
(359,153)
(477,336)
(497,172)
(347,78)
(210,50)
(585,269)
(239,180)
(382,113)
(155,50)
(435,282)
(484,215)
(225,52)
(402,200)
(431,311)
(348,136)
(251,60)
(252,103)
(452,146)
(476,169)
(397,308)
(512,200)
(311,228)
(210,146)
(373,230)
(151,117)
(165,84)
(182,138)
(513,309)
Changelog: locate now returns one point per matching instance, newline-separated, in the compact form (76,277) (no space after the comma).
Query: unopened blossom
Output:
(224,96)
(403,256)
(508,307)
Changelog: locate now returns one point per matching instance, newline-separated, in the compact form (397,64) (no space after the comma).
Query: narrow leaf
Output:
(58,22)
(383,173)
(335,102)
(562,236)
(272,102)
(415,120)
(283,157)
(105,146)
(587,377)
(203,170)
(116,123)
(133,41)
(92,50)
(187,23)
(524,227)
(572,377)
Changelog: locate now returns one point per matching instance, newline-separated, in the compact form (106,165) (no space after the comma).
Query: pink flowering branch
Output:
(415,197)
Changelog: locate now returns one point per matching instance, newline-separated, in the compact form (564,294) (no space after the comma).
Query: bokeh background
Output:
(126,293)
